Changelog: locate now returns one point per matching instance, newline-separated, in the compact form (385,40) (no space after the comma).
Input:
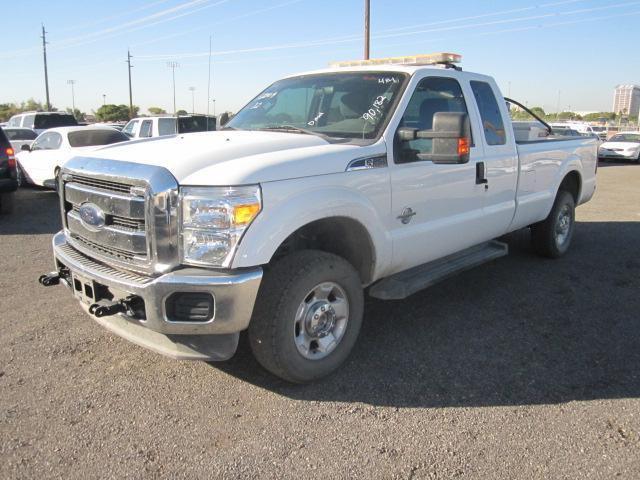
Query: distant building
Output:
(626,100)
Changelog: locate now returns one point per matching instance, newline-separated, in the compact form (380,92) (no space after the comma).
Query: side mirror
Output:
(25,148)
(451,135)
(223,119)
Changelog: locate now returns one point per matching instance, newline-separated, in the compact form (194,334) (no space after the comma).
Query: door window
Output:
(47,141)
(130,128)
(145,129)
(492,122)
(432,95)
(166,126)
(28,121)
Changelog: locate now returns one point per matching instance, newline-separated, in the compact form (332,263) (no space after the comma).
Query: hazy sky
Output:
(580,48)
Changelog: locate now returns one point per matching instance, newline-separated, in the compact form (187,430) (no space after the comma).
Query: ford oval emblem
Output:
(92,216)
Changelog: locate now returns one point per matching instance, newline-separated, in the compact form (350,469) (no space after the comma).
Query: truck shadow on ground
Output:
(521,330)
(611,163)
(36,211)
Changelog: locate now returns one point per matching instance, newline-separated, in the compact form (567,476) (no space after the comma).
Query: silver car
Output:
(19,136)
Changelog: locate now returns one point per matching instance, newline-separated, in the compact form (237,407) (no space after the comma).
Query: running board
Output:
(403,284)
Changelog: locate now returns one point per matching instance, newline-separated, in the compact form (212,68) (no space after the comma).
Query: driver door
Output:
(437,209)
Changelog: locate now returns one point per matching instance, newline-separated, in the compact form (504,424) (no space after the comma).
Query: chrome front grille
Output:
(137,206)
(107,185)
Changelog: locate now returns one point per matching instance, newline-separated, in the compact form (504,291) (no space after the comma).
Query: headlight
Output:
(214,220)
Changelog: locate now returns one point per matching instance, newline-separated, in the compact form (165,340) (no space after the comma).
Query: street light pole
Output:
(172,66)
(104,99)
(130,91)
(214,107)
(193,99)
(73,96)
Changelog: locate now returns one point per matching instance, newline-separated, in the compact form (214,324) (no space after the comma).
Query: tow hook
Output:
(105,308)
(49,279)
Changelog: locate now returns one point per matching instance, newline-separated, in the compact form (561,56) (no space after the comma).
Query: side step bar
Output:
(403,284)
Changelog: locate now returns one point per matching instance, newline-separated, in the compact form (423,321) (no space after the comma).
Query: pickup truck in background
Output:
(383,176)
(159,126)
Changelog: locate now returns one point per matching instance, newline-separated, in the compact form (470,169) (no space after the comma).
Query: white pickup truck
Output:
(386,175)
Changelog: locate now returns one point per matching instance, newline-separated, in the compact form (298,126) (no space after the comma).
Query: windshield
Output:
(90,138)
(20,134)
(626,137)
(341,105)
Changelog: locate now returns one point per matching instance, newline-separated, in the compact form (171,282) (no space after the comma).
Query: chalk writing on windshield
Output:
(315,120)
(387,80)
(372,114)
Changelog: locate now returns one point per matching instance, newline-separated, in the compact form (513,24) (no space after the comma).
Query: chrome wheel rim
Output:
(563,225)
(321,321)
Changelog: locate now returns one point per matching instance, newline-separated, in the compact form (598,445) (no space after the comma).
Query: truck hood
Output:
(239,157)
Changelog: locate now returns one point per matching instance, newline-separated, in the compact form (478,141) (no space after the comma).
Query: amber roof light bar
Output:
(424,59)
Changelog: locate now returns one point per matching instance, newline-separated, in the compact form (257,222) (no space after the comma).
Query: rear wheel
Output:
(552,237)
(307,317)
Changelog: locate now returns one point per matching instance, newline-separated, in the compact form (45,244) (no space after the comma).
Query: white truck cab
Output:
(163,125)
(384,175)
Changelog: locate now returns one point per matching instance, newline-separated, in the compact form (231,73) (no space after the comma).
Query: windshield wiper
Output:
(291,128)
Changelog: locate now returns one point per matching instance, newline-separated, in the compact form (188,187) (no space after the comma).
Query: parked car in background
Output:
(145,127)
(19,136)
(39,164)
(8,174)
(565,132)
(117,126)
(622,146)
(41,121)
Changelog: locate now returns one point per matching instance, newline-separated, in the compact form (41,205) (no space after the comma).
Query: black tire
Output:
(6,203)
(273,330)
(20,176)
(545,238)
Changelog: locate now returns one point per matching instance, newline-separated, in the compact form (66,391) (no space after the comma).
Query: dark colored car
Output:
(8,179)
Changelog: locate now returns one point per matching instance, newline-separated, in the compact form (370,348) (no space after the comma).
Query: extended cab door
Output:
(500,156)
(437,209)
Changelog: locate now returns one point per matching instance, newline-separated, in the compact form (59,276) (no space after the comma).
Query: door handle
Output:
(481,174)
(406,215)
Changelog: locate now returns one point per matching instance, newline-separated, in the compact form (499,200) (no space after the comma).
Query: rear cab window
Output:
(492,121)
(166,126)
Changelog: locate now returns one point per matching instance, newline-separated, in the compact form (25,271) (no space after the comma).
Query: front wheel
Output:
(552,237)
(307,317)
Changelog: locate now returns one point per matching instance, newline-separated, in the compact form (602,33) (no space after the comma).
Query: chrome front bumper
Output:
(234,296)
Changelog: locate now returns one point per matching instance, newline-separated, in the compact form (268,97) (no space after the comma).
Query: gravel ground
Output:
(524,368)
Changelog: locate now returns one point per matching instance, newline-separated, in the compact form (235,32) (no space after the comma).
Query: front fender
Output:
(291,204)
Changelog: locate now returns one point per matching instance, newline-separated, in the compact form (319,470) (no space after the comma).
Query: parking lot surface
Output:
(523,368)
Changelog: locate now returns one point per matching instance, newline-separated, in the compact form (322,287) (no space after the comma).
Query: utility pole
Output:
(73,96)
(209,84)
(172,66)
(46,74)
(130,94)
(366,29)
(193,99)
